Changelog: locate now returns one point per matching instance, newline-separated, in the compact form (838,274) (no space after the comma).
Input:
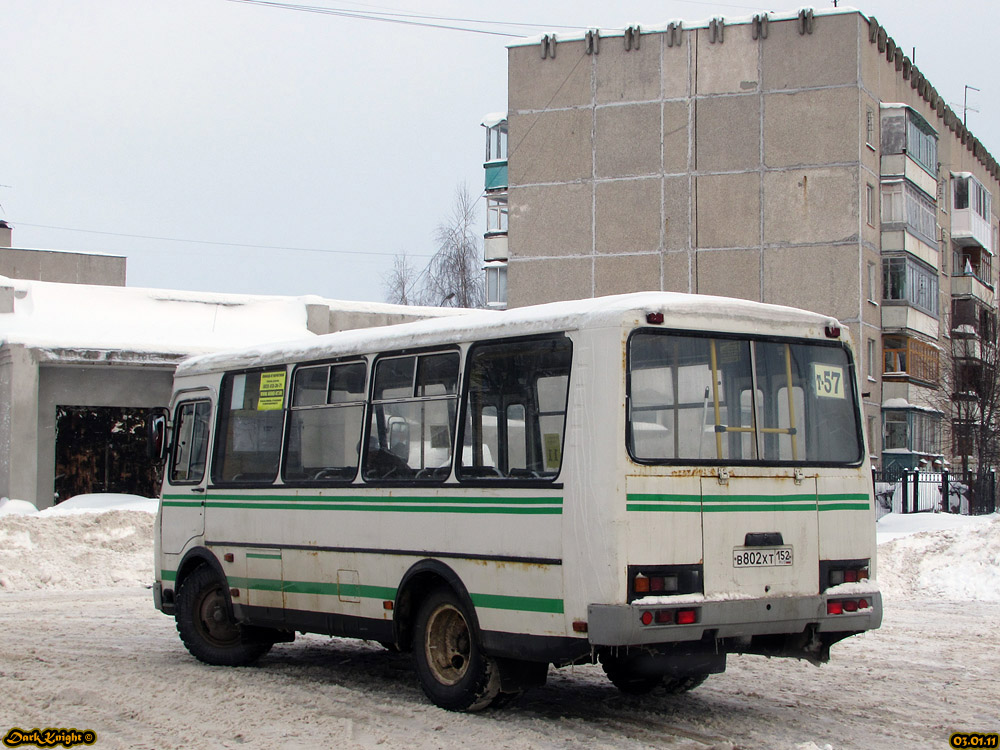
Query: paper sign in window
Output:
(272,391)
(553,450)
(828,380)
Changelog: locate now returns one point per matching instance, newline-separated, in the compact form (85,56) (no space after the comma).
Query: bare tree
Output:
(971,375)
(401,283)
(454,276)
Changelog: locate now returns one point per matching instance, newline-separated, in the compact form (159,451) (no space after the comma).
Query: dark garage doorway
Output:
(103,449)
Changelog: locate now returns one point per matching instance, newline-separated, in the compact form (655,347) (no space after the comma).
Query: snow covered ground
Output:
(83,647)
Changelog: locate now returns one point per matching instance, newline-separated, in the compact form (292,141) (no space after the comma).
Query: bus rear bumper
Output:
(622,624)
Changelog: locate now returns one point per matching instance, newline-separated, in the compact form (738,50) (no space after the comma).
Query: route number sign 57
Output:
(828,380)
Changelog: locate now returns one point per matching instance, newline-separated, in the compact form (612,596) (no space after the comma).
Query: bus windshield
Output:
(708,398)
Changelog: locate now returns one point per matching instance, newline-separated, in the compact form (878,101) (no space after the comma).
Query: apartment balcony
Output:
(970,229)
(969,285)
(903,317)
(495,247)
(903,165)
(496,175)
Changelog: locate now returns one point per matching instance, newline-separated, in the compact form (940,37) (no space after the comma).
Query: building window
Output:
(906,132)
(871,434)
(496,214)
(921,143)
(905,205)
(905,280)
(870,129)
(873,293)
(969,193)
(872,358)
(904,356)
(870,204)
(496,284)
(496,142)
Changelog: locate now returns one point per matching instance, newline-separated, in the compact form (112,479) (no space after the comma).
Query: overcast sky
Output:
(335,142)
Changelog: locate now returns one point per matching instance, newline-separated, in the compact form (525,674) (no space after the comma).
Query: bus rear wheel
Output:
(453,671)
(206,625)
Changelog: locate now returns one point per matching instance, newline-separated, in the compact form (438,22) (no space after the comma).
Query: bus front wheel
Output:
(453,671)
(206,625)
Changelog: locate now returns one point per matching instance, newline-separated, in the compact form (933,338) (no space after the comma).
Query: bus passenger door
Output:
(183,504)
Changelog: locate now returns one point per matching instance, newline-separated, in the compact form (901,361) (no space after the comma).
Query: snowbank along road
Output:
(101,658)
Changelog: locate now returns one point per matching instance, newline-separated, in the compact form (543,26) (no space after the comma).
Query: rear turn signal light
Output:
(848,575)
(654,584)
(669,617)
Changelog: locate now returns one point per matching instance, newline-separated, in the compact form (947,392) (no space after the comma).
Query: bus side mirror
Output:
(156,435)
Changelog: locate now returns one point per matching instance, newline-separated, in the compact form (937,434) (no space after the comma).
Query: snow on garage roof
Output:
(157,324)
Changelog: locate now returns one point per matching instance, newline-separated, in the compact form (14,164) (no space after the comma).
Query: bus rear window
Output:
(711,399)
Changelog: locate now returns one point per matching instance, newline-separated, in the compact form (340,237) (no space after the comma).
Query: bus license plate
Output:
(761,557)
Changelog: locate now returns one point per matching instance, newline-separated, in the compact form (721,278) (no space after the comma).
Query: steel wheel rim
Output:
(213,618)
(448,644)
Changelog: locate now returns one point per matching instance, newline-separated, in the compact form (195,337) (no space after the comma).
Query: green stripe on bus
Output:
(376,499)
(262,556)
(518,603)
(745,503)
(387,593)
(168,575)
(175,504)
(519,510)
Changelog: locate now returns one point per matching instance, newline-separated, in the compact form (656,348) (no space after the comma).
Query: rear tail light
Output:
(687,616)
(842,606)
(669,617)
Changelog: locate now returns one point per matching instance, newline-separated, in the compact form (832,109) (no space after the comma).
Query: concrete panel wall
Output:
(728,210)
(696,140)
(18,423)
(65,267)
(619,274)
(550,220)
(622,143)
(627,216)
(535,281)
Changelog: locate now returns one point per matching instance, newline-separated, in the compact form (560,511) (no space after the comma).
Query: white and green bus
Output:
(649,481)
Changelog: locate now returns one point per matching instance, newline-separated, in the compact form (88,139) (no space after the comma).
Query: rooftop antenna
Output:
(965,104)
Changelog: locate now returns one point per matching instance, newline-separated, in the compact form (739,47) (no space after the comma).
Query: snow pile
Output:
(76,550)
(10,507)
(959,559)
(101,503)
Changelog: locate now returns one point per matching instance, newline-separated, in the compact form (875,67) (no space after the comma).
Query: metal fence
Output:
(912,491)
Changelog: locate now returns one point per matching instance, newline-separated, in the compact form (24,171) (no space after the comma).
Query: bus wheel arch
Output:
(417,584)
(193,558)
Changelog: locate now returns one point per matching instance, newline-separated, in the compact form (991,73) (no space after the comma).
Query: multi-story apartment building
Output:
(797,159)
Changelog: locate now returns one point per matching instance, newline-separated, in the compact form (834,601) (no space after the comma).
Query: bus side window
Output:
(324,424)
(515,409)
(251,417)
(412,423)
(190,442)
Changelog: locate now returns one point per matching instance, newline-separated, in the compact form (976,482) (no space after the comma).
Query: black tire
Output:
(453,671)
(683,684)
(629,682)
(206,625)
